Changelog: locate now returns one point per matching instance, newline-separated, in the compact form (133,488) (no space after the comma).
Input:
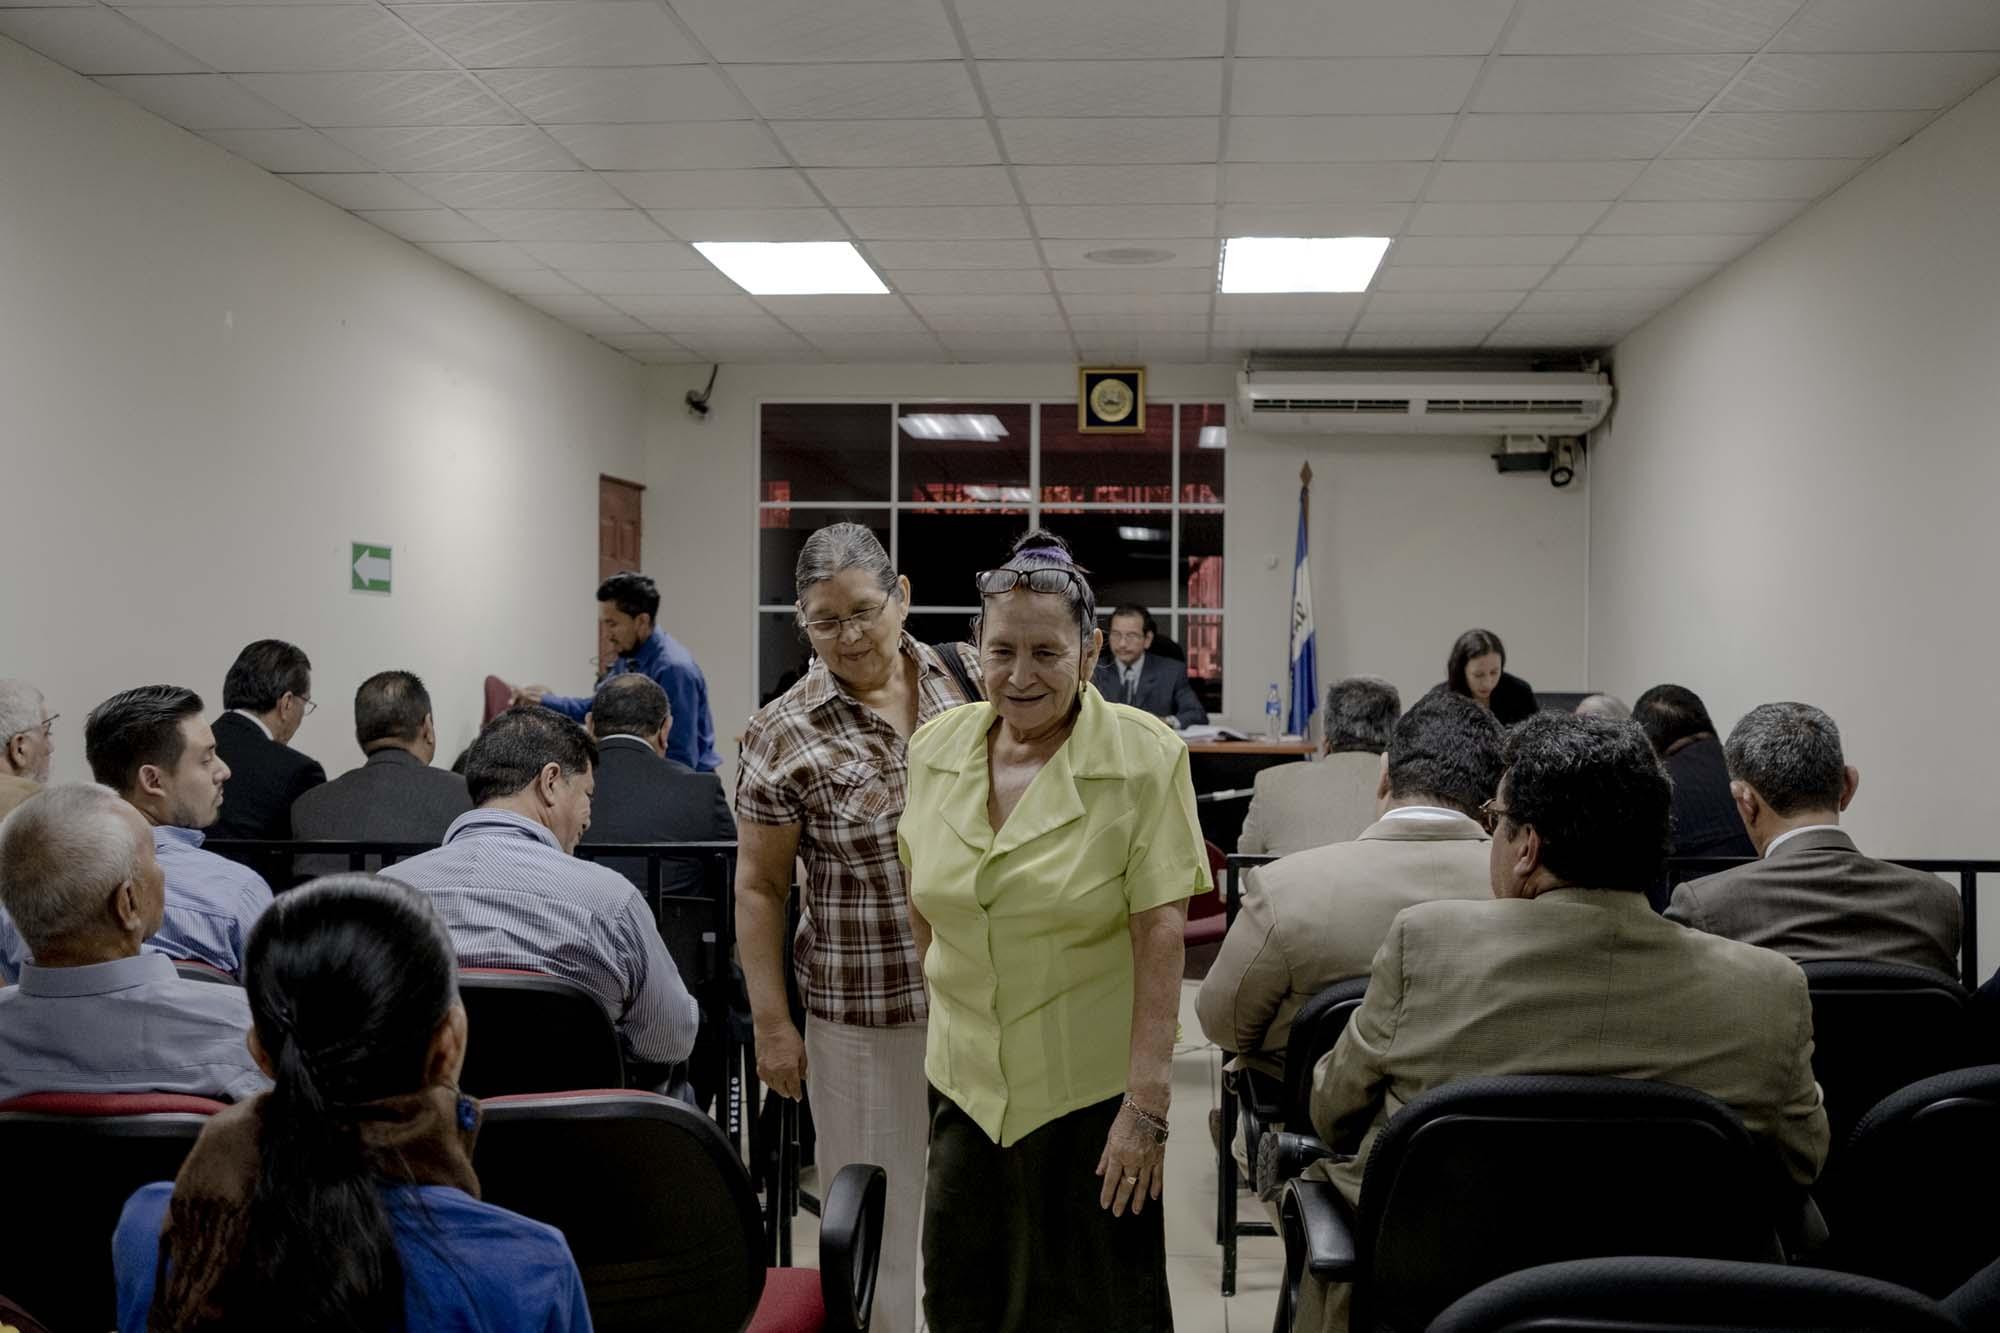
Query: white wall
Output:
(211,382)
(1412,541)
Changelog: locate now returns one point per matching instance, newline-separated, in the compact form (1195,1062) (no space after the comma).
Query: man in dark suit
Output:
(1143,679)
(268,694)
(396,796)
(1814,896)
(643,796)
(1705,821)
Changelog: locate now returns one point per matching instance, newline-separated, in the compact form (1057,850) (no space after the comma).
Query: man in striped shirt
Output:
(513,896)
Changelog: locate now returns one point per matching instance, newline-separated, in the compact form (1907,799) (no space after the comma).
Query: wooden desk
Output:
(1233,766)
(1292,749)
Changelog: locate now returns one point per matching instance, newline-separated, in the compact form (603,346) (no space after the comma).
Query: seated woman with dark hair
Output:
(1477,669)
(344,1198)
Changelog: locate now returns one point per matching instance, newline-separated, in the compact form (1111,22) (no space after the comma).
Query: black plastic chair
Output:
(1878,1027)
(527,1032)
(1655,1295)
(1976,1305)
(1911,1199)
(73,1159)
(660,1213)
(1487,1176)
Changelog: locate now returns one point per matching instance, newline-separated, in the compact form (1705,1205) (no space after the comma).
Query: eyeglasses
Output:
(306,706)
(1127,636)
(994,582)
(46,728)
(1493,811)
(826,631)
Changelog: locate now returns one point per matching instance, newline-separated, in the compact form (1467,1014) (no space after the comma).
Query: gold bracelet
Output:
(1157,1124)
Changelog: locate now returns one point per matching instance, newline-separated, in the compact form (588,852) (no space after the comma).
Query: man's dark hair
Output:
(1446,749)
(513,748)
(1790,753)
(265,672)
(634,594)
(1670,714)
(629,704)
(390,706)
(139,727)
(1596,792)
(1145,616)
(1360,713)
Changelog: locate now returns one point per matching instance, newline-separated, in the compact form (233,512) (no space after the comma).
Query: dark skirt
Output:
(1014,1238)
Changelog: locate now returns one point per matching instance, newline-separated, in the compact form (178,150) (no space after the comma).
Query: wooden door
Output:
(619,519)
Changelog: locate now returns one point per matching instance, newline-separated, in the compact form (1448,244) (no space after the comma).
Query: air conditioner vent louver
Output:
(1491,406)
(1335,400)
(1399,406)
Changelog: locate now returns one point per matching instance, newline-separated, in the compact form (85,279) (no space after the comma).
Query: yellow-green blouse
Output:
(1030,964)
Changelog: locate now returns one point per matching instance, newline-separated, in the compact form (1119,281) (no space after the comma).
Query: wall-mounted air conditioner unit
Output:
(1422,402)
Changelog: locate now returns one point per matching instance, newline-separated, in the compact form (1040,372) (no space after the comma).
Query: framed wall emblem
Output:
(1111,400)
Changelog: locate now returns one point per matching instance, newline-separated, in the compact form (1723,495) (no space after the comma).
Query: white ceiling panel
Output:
(551,33)
(1799,134)
(1904,25)
(608,256)
(1443,303)
(547,282)
(568,224)
(650,348)
(602,326)
(1144,139)
(1369,27)
(567,305)
(1507,219)
(516,189)
(714,189)
(1743,178)
(1626,277)
(1003,348)
(456,148)
(1290,311)
(746,31)
(1369,86)
(1057,88)
(1313,219)
(1554,137)
(426,224)
(1749,216)
(1877,81)
(1142,184)
(953,254)
(869,187)
(234,38)
(94,41)
(199,101)
(1145,279)
(1119,221)
(1137,303)
(967,222)
(1553,84)
(1100,30)
(692,146)
(387,97)
(807,309)
(1332,183)
(1605,27)
(1051,327)
(289,150)
(1716,248)
(670,310)
(1611,306)
(1477,181)
(1453,328)
(751,224)
(912,281)
(1144,350)
(1337,138)
(785,347)
(653,282)
(948,304)
(865,347)
(361,190)
(1452,251)
(859,91)
(1403,342)
(1461,278)
(888,143)
(1178,252)
(1544,334)
(617,96)
(485,257)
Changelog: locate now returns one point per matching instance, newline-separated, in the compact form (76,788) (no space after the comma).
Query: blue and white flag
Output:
(1305,646)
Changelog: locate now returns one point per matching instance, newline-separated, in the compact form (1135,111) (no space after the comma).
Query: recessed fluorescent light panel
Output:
(1213,437)
(794,268)
(1300,263)
(952,426)
(1143,534)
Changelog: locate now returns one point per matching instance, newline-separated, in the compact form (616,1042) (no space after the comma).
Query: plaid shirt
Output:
(817,758)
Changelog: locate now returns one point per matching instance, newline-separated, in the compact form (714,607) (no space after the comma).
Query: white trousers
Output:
(869,1104)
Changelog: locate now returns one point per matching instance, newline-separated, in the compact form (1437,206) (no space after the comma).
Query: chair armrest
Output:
(1315,1216)
(850,1245)
(1261,1094)
(1802,1231)
(1281,1156)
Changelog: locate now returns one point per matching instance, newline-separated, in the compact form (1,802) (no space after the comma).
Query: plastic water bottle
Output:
(1274,709)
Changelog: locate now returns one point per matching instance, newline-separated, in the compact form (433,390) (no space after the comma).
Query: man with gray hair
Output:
(92,1013)
(1812,895)
(25,742)
(1607,706)
(1296,806)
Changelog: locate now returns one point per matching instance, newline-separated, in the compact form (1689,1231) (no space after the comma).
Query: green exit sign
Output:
(369,566)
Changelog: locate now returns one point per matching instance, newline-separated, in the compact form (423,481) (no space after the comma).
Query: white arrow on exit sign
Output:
(371,568)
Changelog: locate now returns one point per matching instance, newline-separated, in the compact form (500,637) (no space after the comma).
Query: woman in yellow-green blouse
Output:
(1052,843)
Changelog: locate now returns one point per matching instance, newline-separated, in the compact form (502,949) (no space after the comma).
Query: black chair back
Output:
(1653,1295)
(1878,1027)
(531,1033)
(1314,1031)
(652,1199)
(1911,1198)
(1488,1176)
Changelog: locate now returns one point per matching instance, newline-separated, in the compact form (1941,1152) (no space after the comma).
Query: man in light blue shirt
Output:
(93,1013)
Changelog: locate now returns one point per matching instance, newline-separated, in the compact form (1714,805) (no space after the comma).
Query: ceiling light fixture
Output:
(952,426)
(1300,263)
(1213,437)
(1143,534)
(794,268)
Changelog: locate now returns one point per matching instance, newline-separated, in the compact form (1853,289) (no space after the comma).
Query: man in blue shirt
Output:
(628,604)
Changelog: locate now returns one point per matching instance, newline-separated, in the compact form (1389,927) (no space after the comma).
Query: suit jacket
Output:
(1817,898)
(1296,806)
(643,798)
(15,790)
(393,797)
(265,777)
(1318,917)
(1163,689)
(1705,819)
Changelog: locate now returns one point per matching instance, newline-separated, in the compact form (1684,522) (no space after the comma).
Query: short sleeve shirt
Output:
(819,758)
(1030,965)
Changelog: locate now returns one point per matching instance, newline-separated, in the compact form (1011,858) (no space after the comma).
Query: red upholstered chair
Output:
(529,1032)
(190,970)
(663,1222)
(14,1317)
(499,697)
(72,1161)
(1207,921)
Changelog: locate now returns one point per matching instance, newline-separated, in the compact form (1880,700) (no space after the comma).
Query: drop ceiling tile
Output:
(1334,183)
(947,305)
(1142,184)
(1718,248)
(1750,217)
(1407,342)
(551,33)
(1876,81)
(456,148)
(608,256)
(360,190)
(650,348)
(967,280)
(564,305)
(426,224)
(947,223)
(1564,138)
(1610,306)
(1906,25)
(858,91)
(884,187)
(1102,29)
(1557,84)
(1145,350)
(1368,86)
(1795,134)
(516,189)
(1460,278)
(783,348)
(1626,277)
(1313,219)
(613,283)
(1137,303)
(1369,27)
(1252,342)
(617,96)
(1439,324)
(1058,88)
(1474,181)
(714,189)
(538,282)
(751,224)
(1178,252)
(199,101)
(288,150)
(744,31)
(568,224)
(888,143)
(1085,140)
(1450,251)
(1604,27)
(953,254)
(1123,221)
(807,309)
(1285,310)
(94,41)
(1071,281)
(602,326)
(1135,326)
(882,347)
(384,97)
(45,4)
(1743,178)
(975,349)
(1460,303)
(824,326)
(1337,138)
(271,38)
(671,311)
(1558,337)
(693,146)
(485,257)
(1050,326)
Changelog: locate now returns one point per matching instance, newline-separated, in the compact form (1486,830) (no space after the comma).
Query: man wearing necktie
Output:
(1132,675)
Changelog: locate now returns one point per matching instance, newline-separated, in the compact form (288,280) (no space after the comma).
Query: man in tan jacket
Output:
(1296,806)
(25,742)
(1317,917)
(1569,971)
